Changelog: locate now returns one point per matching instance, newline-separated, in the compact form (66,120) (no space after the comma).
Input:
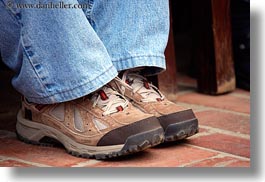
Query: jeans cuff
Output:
(154,64)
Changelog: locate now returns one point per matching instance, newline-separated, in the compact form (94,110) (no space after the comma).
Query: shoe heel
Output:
(28,131)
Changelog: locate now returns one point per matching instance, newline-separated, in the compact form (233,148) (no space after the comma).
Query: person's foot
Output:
(178,122)
(102,126)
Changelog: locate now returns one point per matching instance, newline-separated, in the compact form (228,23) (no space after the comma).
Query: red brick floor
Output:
(223,140)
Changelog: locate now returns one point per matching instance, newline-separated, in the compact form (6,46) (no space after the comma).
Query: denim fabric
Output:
(63,54)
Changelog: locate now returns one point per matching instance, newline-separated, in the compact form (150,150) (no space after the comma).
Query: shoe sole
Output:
(181,130)
(39,134)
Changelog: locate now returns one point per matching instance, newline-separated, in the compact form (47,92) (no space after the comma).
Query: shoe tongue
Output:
(140,83)
(108,94)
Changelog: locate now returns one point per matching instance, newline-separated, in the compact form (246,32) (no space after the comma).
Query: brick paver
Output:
(228,101)
(225,143)
(227,121)
(223,140)
(11,147)
(220,161)
(162,156)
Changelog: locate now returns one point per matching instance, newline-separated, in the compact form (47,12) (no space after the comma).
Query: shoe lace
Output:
(109,100)
(140,85)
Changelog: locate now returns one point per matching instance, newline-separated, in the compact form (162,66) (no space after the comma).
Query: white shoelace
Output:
(112,103)
(150,93)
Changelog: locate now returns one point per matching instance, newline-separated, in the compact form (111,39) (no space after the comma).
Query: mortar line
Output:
(86,163)
(200,160)
(240,95)
(211,108)
(24,161)
(197,161)
(227,132)
(225,163)
(221,152)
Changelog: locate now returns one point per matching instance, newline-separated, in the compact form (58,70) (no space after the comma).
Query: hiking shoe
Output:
(178,122)
(101,126)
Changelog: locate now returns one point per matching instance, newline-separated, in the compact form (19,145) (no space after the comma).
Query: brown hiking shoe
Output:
(178,122)
(103,126)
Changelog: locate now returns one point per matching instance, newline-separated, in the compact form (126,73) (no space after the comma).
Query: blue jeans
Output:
(60,54)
